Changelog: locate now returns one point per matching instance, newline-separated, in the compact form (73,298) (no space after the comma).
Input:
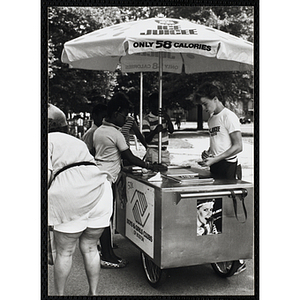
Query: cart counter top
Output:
(177,179)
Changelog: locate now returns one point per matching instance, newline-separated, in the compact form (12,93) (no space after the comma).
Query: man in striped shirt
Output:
(151,128)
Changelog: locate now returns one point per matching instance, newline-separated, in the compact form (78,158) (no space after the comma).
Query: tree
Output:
(75,89)
(178,89)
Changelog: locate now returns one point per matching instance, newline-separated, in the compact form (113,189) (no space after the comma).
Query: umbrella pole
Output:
(160,105)
(141,102)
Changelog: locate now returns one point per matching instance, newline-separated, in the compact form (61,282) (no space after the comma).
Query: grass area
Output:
(179,143)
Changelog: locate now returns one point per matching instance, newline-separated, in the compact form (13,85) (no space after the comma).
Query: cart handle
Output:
(212,194)
(230,193)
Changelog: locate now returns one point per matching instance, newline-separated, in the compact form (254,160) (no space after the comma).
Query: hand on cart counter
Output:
(157,167)
(207,159)
(144,170)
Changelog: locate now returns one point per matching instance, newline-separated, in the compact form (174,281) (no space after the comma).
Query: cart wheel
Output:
(155,275)
(226,268)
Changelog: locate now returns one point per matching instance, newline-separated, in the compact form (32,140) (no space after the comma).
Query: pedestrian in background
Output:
(79,202)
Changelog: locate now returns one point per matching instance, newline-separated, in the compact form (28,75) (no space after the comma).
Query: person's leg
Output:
(106,248)
(240,267)
(107,253)
(88,247)
(231,170)
(65,247)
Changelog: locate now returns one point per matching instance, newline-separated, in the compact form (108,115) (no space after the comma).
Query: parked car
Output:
(245,120)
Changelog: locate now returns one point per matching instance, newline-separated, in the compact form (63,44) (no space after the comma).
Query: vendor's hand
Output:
(158,167)
(205,154)
(209,161)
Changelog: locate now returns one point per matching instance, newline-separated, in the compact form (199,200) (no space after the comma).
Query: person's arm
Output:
(134,160)
(50,168)
(139,134)
(49,177)
(169,123)
(236,147)
(150,135)
(205,154)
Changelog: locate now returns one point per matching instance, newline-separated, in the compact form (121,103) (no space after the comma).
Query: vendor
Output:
(225,137)
(224,130)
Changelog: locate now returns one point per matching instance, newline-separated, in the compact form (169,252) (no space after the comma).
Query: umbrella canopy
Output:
(136,47)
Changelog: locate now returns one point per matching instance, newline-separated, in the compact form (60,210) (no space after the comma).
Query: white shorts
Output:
(98,217)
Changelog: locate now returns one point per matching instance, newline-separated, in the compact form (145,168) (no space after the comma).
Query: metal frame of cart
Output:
(160,219)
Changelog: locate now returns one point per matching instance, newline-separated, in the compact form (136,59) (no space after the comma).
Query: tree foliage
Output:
(76,90)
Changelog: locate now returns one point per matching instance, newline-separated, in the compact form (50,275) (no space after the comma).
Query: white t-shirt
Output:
(109,142)
(88,138)
(221,126)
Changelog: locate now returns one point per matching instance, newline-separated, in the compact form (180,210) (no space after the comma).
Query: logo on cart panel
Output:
(139,208)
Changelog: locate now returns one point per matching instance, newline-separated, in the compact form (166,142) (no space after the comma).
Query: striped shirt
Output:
(149,124)
(126,128)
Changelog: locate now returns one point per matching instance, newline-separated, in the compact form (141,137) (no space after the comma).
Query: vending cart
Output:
(159,214)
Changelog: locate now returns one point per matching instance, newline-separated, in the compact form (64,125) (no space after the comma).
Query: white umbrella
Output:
(162,45)
(136,46)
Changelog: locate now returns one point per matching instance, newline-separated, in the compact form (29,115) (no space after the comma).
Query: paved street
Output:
(130,281)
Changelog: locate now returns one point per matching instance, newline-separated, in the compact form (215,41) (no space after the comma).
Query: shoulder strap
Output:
(82,163)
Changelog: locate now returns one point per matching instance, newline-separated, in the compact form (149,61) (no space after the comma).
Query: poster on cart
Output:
(209,216)
(139,226)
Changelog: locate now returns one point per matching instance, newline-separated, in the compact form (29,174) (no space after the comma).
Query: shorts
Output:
(98,217)
(224,170)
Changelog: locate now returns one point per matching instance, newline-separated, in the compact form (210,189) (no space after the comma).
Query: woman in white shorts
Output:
(79,202)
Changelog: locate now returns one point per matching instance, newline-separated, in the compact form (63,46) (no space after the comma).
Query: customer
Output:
(79,202)
(225,135)
(106,249)
(111,148)
(151,130)
(98,113)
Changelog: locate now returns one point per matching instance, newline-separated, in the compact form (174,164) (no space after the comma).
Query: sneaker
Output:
(241,267)
(111,265)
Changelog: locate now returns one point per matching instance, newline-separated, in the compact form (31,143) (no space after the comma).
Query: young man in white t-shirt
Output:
(225,137)
(224,130)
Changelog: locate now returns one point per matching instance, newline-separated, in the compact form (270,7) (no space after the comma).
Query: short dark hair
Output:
(211,90)
(98,109)
(153,100)
(118,102)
